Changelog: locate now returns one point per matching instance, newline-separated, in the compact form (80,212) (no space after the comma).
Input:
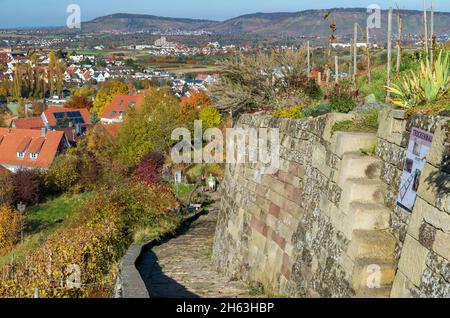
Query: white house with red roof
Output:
(73,122)
(30,148)
(115,112)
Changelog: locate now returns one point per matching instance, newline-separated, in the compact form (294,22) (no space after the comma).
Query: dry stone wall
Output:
(327,224)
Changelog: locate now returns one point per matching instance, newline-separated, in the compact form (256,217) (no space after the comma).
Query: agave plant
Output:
(431,83)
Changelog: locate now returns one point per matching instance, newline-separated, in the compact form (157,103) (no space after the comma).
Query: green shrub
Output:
(376,86)
(313,90)
(429,84)
(341,98)
(294,112)
(210,117)
(317,110)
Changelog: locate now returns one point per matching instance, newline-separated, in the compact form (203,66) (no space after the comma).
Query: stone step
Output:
(355,166)
(363,191)
(372,245)
(348,142)
(383,292)
(373,278)
(370,216)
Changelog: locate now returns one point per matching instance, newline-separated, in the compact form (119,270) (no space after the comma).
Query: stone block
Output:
(292,193)
(293,208)
(413,260)
(274,210)
(373,245)
(259,225)
(277,238)
(441,244)
(372,275)
(275,198)
(433,185)
(424,212)
(439,146)
(263,203)
(319,160)
(332,119)
(347,142)
(363,191)
(296,169)
(370,216)
(401,287)
(392,125)
(357,166)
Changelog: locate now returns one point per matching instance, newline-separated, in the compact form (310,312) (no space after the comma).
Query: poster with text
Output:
(418,148)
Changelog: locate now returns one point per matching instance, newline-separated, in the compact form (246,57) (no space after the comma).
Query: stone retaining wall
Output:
(327,220)
(423,236)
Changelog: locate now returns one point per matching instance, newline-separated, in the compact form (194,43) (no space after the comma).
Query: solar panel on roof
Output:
(63,118)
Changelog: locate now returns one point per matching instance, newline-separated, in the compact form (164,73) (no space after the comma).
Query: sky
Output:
(29,13)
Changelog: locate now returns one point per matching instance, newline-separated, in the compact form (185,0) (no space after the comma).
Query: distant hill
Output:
(138,22)
(312,23)
(304,23)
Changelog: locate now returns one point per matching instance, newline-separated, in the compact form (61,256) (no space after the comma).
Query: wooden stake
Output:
(399,43)
(336,69)
(425,25)
(308,58)
(389,52)
(350,64)
(355,52)
(432,34)
(369,71)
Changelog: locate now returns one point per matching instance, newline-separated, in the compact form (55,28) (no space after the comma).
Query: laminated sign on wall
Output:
(418,148)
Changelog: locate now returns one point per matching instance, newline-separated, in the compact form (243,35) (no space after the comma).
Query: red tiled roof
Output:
(28,141)
(120,105)
(51,111)
(28,123)
(113,129)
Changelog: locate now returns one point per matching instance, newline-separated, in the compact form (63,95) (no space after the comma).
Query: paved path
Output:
(181,267)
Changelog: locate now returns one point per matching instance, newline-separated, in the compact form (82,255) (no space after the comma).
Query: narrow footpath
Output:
(181,266)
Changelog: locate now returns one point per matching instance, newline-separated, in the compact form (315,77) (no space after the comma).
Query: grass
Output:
(255,289)
(367,122)
(156,229)
(183,191)
(41,221)
(376,86)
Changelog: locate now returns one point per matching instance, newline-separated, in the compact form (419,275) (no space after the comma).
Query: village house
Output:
(29,148)
(72,122)
(117,109)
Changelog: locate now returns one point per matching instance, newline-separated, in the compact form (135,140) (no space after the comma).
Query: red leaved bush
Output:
(149,171)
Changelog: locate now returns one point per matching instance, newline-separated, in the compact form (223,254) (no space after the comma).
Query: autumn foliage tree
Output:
(10,224)
(196,101)
(27,186)
(106,94)
(149,128)
(79,101)
(210,117)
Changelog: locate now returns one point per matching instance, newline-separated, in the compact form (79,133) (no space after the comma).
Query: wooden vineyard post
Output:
(336,69)
(355,52)
(389,52)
